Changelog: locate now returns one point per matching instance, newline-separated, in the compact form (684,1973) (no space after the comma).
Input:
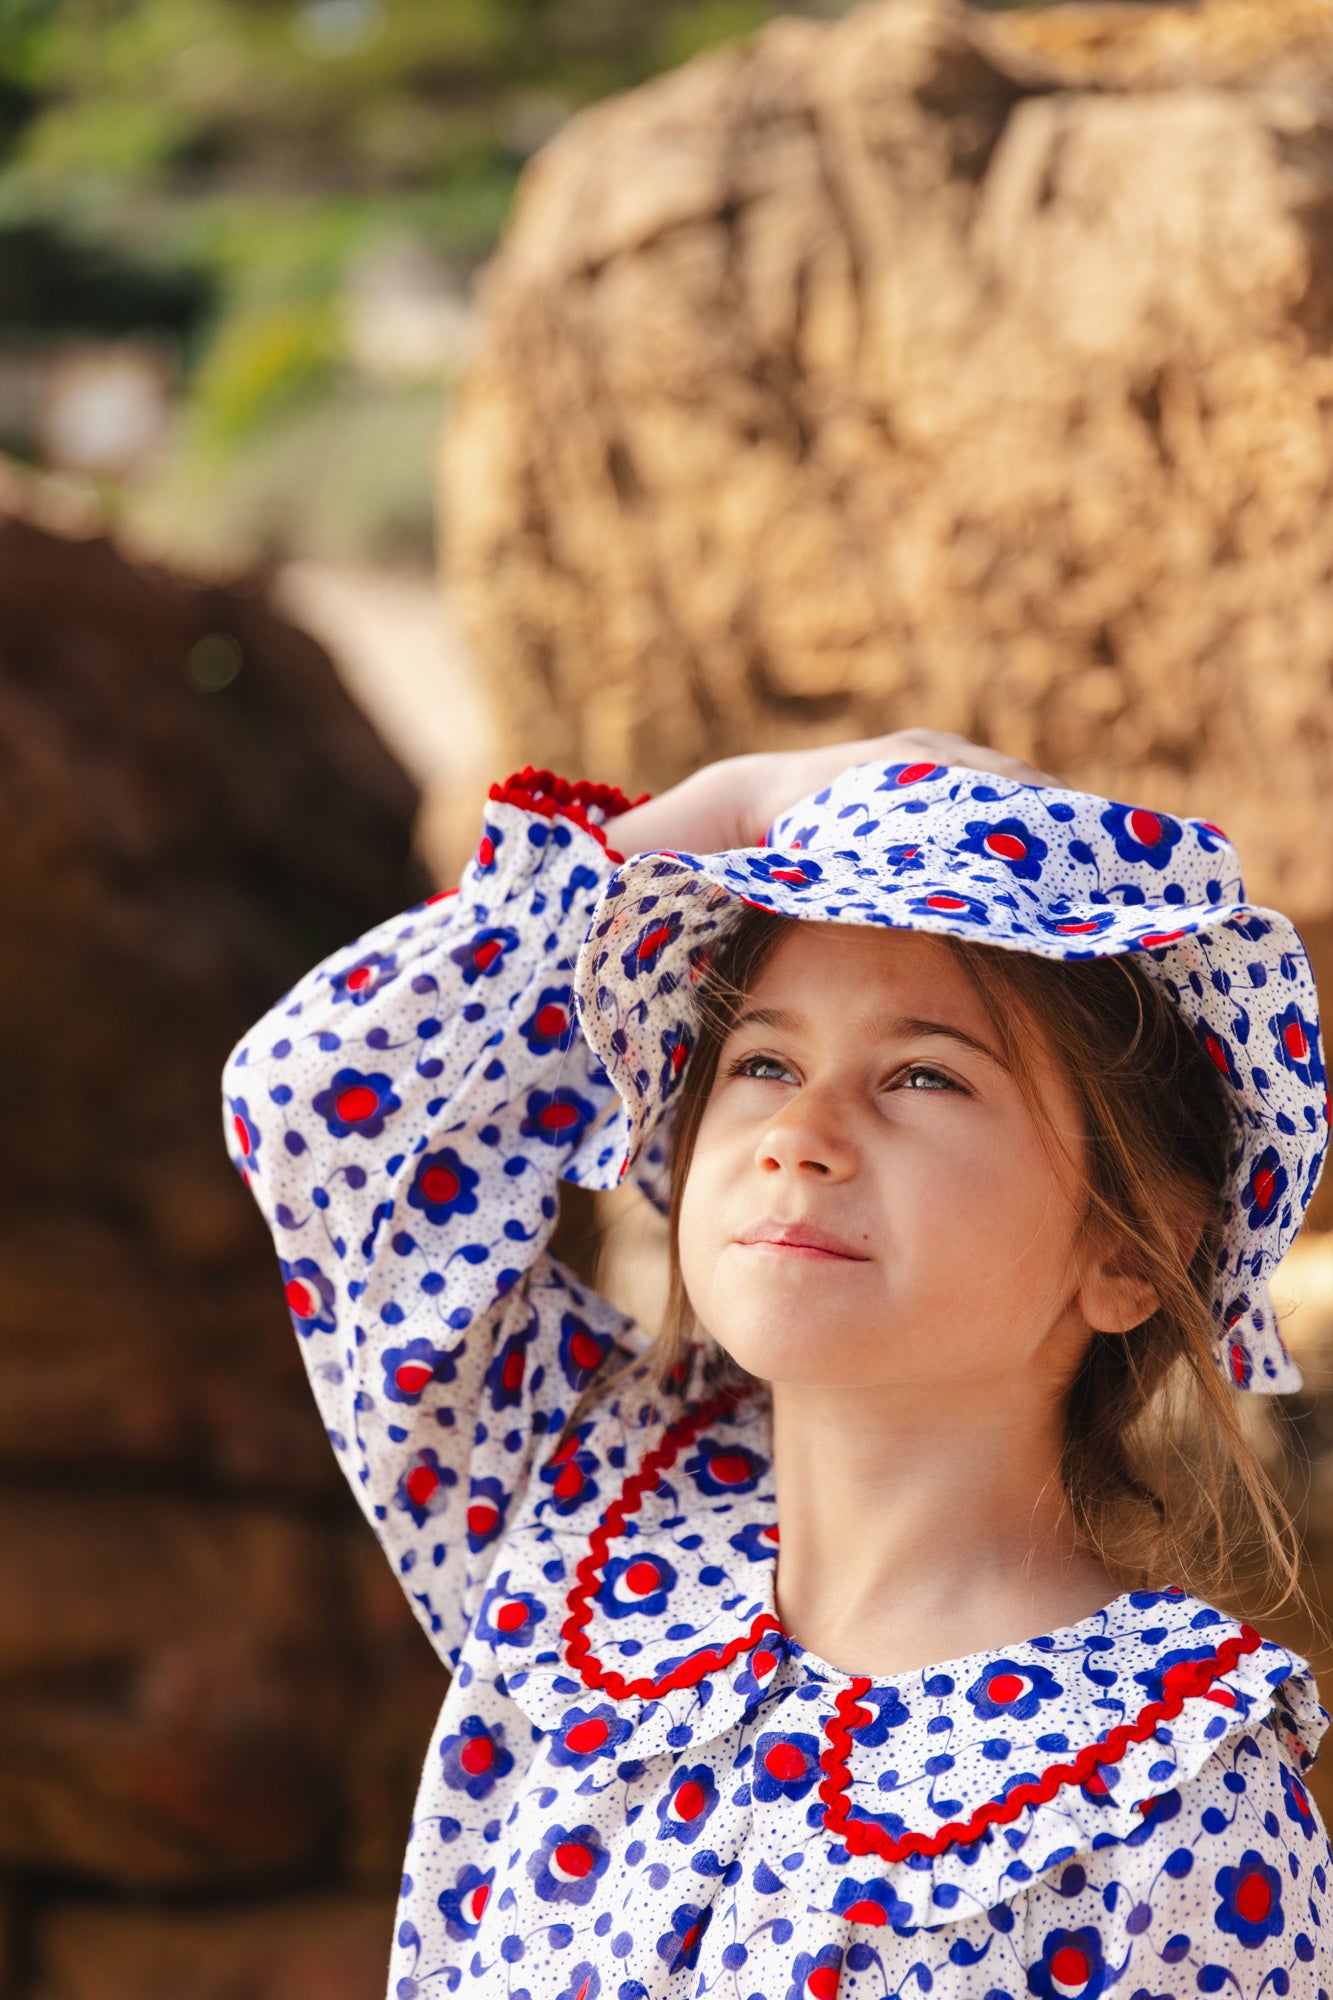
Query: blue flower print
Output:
(946,903)
(1296,1042)
(677,1042)
(1072,1966)
(870,1903)
(474,1759)
(551,1023)
(679,1947)
(356,1103)
(1006,1691)
(482,956)
(443,1186)
(1296,1801)
(1219,1052)
(795,871)
(487,1505)
(1148,1600)
(757,1541)
(886,1710)
(1087,925)
(786,1766)
(363,980)
(582,1351)
(584,1983)
(1239,1363)
(463,1906)
(724,1470)
(1250,1900)
(755,1670)
(1153,1678)
(509,1617)
(646,951)
(309,1295)
(409,1370)
(1265,1188)
(557,1117)
(1140,835)
(423,1488)
(817,1975)
(896,776)
(566,1867)
(685,1811)
(570,1474)
(508,1368)
(636,1586)
(243,1127)
(1008,840)
(587,1734)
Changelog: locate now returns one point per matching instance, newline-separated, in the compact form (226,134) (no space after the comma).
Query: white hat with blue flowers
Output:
(929,847)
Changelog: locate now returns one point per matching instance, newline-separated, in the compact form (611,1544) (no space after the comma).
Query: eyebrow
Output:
(875,1028)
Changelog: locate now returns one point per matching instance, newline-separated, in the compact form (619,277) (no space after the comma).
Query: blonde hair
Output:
(1159,1478)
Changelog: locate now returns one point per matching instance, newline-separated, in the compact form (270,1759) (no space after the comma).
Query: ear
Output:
(1115,1293)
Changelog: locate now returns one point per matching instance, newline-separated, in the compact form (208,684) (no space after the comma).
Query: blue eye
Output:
(919,1077)
(766,1069)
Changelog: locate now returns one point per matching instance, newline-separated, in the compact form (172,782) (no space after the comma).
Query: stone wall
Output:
(213,1699)
(928,366)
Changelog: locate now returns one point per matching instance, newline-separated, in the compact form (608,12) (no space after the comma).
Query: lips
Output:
(800,1239)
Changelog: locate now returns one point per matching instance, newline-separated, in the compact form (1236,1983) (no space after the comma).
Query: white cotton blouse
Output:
(639,1785)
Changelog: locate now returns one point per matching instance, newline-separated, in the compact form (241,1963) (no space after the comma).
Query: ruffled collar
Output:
(941,1788)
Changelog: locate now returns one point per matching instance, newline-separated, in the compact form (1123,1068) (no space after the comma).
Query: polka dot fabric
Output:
(1063,874)
(640,1787)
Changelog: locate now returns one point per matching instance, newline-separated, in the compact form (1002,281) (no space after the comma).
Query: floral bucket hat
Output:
(930,847)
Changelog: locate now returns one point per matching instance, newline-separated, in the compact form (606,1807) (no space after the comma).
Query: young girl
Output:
(982,1108)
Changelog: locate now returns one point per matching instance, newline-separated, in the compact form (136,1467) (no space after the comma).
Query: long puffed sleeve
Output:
(403,1118)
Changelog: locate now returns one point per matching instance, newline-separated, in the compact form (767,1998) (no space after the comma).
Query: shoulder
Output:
(1227,1878)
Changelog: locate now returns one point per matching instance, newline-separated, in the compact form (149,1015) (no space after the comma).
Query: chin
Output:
(817,1358)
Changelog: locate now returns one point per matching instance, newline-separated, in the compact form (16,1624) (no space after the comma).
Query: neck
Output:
(916,1528)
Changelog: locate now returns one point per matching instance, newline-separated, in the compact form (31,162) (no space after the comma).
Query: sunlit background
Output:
(970,367)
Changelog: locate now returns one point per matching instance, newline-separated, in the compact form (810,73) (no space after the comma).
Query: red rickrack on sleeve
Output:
(578,1650)
(1180,1684)
(554,797)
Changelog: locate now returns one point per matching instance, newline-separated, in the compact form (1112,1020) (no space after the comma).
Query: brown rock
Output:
(171,1709)
(192,813)
(928,366)
(402,1684)
(328,1948)
(111,1356)
(176,848)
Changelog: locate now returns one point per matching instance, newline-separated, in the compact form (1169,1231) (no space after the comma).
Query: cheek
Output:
(1015,1207)
(697,1225)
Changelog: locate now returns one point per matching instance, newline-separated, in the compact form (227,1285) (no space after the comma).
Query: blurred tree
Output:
(211,171)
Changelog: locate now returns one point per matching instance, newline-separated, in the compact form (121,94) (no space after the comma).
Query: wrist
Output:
(703,814)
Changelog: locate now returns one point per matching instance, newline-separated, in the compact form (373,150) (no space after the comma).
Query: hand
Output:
(732,803)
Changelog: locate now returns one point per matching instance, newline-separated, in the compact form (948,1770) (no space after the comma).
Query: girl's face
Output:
(870,1202)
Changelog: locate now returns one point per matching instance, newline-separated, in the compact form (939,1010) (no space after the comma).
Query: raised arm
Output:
(402,1118)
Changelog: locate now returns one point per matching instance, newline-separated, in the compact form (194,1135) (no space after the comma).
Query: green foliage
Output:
(211,171)
(264,359)
(341,479)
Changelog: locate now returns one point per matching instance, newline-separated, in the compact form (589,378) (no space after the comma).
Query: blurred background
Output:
(393,392)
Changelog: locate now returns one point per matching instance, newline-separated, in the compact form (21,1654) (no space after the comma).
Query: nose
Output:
(807,1136)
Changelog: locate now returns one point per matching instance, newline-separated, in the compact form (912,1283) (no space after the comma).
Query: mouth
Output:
(800,1240)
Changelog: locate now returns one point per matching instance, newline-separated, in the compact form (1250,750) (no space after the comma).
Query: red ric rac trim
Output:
(578,1650)
(1180,1683)
(543,792)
